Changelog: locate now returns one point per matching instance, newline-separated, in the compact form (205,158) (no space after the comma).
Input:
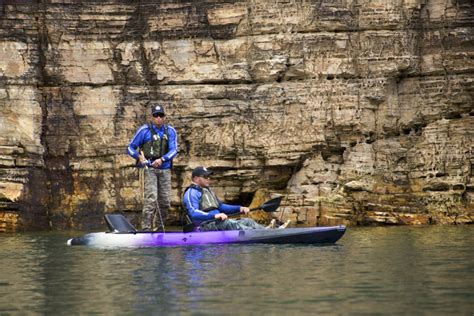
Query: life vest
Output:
(208,202)
(209,199)
(157,146)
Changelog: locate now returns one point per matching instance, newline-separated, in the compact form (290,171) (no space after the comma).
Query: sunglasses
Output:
(158,115)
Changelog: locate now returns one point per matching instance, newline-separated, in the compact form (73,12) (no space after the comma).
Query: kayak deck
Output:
(312,235)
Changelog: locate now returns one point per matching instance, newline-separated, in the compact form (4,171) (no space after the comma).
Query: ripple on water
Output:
(396,270)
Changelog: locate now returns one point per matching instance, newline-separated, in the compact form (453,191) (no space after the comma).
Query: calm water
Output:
(395,270)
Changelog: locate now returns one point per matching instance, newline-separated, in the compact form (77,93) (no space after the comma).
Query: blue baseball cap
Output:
(201,172)
(157,109)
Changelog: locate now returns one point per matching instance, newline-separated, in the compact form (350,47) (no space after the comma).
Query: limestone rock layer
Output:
(358,112)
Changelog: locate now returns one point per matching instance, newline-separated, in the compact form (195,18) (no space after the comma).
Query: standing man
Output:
(154,146)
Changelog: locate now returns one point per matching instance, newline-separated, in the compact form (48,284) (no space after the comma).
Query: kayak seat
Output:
(117,223)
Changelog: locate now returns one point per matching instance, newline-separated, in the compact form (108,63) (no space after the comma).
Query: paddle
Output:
(268,206)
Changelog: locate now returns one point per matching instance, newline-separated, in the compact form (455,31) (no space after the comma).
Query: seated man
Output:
(204,209)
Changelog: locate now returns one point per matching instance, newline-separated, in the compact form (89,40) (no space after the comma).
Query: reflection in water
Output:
(378,270)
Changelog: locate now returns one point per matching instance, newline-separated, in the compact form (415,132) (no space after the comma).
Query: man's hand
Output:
(221,216)
(141,159)
(244,209)
(157,163)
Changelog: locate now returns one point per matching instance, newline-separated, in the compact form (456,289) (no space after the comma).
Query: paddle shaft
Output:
(238,214)
(269,206)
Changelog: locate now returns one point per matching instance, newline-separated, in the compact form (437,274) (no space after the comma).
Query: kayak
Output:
(313,235)
(123,234)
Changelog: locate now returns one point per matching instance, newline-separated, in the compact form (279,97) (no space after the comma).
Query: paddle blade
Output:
(270,205)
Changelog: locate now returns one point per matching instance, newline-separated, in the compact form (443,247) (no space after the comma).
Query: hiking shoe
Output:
(271,225)
(284,225)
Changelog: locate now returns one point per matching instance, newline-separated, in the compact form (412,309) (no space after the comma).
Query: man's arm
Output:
(191,203)
(136,142)
(229,208)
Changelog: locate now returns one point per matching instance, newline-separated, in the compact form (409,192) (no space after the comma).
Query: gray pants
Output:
(157,198)
(230,224)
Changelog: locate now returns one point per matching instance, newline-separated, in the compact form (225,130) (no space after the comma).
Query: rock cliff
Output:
(357,111)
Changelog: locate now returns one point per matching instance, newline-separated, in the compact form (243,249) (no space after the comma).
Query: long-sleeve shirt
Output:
(143,135)
(191,201)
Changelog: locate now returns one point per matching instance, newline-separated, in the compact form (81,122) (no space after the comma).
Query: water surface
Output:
(379,270)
